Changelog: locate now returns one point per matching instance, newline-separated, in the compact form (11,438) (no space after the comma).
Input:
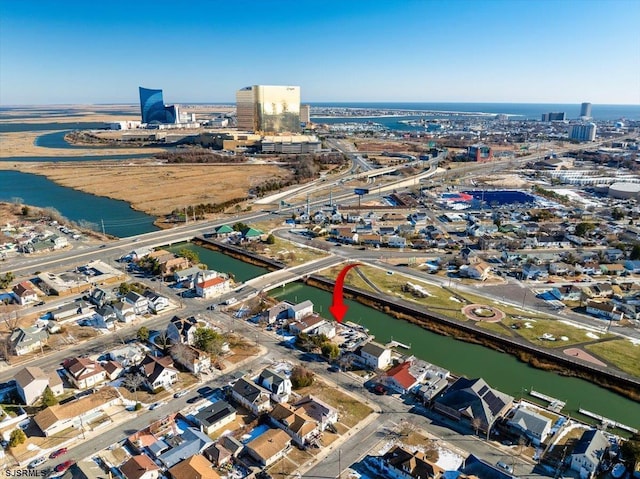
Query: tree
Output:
(271,239)
(192,256)
(301,377)
(17,437)
(182,354)
(617,214)
(133,381)
(631,449)
(206,339)
(162,340)
(48,398)
(143,334)
(6,280)
(239,226)
(26,210)
(584,228)
(330,351)
(635,252)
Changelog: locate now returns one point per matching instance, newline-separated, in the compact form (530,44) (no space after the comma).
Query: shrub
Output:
(301,377)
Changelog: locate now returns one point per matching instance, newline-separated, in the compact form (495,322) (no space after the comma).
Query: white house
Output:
(28,339)
(25,293)
(140,303)
(157,302)
(125,312)
(375,356)
(533,425)
(158,372)
(84,373)
(251,396)
(32,381)
(318,410)
(299,311)
(215,416)
(210,284)
(588,453)
(277,384)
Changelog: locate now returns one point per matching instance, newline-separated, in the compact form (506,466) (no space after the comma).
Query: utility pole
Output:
(102,221)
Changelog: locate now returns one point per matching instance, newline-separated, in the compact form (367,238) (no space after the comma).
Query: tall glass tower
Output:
(269,108)
(153,109)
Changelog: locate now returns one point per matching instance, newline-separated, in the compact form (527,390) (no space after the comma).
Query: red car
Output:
(63,466)
(57,453)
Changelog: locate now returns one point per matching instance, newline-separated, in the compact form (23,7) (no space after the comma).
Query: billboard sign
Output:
(361,191)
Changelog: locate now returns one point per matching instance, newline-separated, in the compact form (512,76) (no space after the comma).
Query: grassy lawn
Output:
(350,410)
(622,353)
(292,254)
(499,328)
(241,349)
(533,330)
(282,468)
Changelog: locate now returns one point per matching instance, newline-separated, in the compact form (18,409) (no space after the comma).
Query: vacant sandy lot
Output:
(154,187)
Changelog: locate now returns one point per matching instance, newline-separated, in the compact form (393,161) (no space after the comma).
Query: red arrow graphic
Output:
(338,309)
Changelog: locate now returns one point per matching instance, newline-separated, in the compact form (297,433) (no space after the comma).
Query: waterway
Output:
(118,217)
(500,370)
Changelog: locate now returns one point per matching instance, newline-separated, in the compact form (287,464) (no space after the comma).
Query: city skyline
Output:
(568,51)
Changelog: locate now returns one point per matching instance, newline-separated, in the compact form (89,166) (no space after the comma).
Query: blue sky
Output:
(534,51)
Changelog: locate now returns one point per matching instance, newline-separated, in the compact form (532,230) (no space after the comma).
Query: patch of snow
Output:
(448,460)
(33,447)
(634,341)
(453,298)
(592,336)
(579,326)
(528,325)
(564,338)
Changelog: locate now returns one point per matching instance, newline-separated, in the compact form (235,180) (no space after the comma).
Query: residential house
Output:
(275,313)
(276,383)
(158,372)
(83,372)
(186,277)
(251,234)
(614,254)
(106,315)
(28,339)
(73,311)
(300,310)
(31,382)
(567,293)
(612,269)
(534,272)
(99,297)
(374,356)
(306,325)
(140,303)
(604,310)
(125,312)
(632,266)
(59,417)
(269,446)
(140,466)
(400,378)
(193,359)
(478,270)
(317,410)
(25,293)
(128,354)
(473,401)
(157,302)
(531,424)
(170,265)
(560,269)
(223,231)
(395,241)
(194,467)
(182,330)
(224,450)
(588,452)
(251,396)
(399,463)
(215,416)
(296,423)
(208,286)
(113,368)
(174,449)
(84,469)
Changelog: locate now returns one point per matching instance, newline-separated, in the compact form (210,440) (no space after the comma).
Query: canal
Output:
(500,370)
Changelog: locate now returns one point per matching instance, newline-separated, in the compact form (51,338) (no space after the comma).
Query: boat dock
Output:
(554,405)
(606,421)
(397,344)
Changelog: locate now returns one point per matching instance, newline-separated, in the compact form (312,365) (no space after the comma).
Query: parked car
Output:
(59,452)
(505,466)
(180,394)
(36,462)
(63,466)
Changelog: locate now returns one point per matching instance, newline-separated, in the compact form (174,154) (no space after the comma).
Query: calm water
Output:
(501,371)
(56,140)
(223,263)
(80,125)
(119,219)
(531,111)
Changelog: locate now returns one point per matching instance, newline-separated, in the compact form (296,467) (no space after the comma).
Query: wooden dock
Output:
(607,422)
(554,405)
(397,344)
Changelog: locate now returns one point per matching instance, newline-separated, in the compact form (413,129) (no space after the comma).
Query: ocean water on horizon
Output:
(530,111)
